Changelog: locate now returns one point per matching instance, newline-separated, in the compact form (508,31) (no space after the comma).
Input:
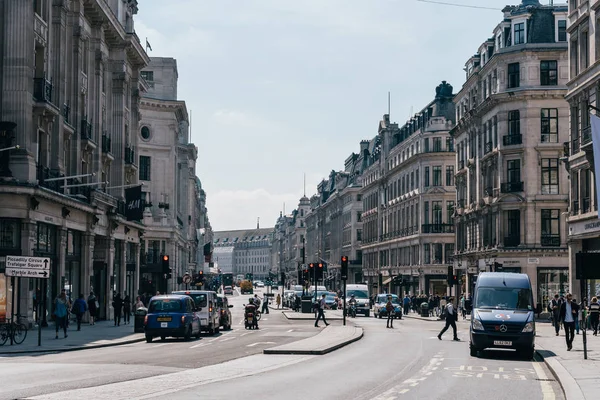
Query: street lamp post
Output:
(17,147)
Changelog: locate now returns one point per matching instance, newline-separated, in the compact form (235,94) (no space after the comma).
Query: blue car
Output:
(379,309)
(171,315)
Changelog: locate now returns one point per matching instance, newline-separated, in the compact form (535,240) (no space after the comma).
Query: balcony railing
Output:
(575,210)
(42,90)
(488,147)
(129,155)
(586,205)
(44,173)
(586,135)
(437,228)
(67,113)
(510,140)
(87,130)
(575,145)
(512,241)
(511,187)
(551,240)
(106,143)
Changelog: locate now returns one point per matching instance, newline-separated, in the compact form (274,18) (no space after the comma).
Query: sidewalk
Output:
(103,334)
(329,339)
(578,377)
(333,315)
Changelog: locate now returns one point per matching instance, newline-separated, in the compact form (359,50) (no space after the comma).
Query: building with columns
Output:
(512,122)
(252,250)
(166,163)
(70,89)
(583,91)
(408,200)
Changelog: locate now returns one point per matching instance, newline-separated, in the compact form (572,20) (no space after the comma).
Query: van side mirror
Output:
(230,306)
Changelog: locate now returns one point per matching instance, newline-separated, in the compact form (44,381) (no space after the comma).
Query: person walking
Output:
(463,308)
(79,308)
(321,313)
(278,300)
(60,313)
(126,308)
(569,311)
(594,312)
(117,306)
(451,317)
(554,307)
(139,303)
(406,303)
(389,308)
(93,306)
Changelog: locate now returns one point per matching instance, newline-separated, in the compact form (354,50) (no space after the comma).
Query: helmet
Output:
(351,295)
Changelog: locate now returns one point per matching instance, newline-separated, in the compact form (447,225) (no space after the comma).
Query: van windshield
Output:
(503,298)
(361,294)
(164,306)
(199,298)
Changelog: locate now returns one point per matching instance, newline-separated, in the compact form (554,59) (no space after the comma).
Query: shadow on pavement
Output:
(505,355)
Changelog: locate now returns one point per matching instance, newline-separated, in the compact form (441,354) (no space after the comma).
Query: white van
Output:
(361,294)
(209,310)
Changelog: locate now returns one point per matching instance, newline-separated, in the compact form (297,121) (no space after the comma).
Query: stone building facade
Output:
(583,91)
(70,89)
(166,163)
(408,199)
(252,250)
(512,119)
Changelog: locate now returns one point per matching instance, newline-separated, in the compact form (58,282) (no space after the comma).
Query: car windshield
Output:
(361,294)
(503,298)
(164,306)
(382,298)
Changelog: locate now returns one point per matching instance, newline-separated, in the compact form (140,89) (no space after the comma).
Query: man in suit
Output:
(554,308)
(569,311)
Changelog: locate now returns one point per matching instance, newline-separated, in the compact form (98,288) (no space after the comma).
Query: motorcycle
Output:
(250,321)
(352,310)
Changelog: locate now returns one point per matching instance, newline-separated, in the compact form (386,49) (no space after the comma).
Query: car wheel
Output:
(162,337)
(188,334)
(367,314)
(377,316)
(198,334)
(148,339)
(473,351)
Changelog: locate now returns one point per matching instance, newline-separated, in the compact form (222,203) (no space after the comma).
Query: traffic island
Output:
(329,339)
(330,315)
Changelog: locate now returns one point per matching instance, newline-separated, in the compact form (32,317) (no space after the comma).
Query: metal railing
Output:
(87,130)
(575,145)
(42,90)
(586,205)
(575,210)
(43,173)
(512,241)
(488,147)
(550,240)
(461,164)
(586,135)
(106,143)
(66,113)
(129,155)
(510,140)
(511,187)
(437,228)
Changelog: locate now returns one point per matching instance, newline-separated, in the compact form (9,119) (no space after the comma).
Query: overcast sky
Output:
(279,88)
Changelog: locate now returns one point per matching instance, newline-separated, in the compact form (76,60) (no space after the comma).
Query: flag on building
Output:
(595,120)
(148,45)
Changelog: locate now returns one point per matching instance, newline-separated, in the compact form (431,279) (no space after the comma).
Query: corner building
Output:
(512,121)
(408,200)
(70,89)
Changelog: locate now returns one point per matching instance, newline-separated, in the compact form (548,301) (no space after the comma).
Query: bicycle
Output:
(16,330)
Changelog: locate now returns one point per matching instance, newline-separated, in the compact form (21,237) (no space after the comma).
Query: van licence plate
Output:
(502,343)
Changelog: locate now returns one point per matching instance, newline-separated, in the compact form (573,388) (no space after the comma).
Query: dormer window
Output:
(561,34)
(519,33)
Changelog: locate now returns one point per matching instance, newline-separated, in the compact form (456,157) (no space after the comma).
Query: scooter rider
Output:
(352,301)
(252,305)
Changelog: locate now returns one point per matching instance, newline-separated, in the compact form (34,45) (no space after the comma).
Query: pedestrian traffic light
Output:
(344,269)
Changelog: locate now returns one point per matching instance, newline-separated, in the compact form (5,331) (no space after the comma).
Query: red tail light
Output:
(183,319)
(146,320)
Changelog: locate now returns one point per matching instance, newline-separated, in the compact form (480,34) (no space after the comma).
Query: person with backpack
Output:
(389,307)
(60,312)
(79,308)
(451,317)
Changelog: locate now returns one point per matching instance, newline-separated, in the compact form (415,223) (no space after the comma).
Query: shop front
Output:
(10,245)
(551,281)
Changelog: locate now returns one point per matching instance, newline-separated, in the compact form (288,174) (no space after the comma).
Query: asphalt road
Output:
(406,362)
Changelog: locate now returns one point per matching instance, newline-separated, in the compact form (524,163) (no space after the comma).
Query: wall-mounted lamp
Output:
(65,212)
(95,220)
(127,230)
(115,226)
(34,203)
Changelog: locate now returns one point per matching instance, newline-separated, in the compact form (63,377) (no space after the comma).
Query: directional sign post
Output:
(28,267)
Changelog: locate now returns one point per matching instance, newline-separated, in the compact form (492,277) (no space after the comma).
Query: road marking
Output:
(198,345)
(227,338)
(257,343)
(214,339)
(547,391)
(291,330)
(247,333)
(161,344)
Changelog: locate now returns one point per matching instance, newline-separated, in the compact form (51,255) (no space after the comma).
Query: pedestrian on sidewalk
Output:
(321,311)
(139,303)
(93,307)
(126,308)
(463,309)
(554,308)
(79,308)
(594,310)
(60,313)
(278,300)
(117,306)
(389,307)
(451,317)
(406,304)
(569,311)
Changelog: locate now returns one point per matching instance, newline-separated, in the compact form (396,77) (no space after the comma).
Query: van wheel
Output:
(473,351)
(162,337)
(367,314)
(198,334)
(211,330)
(528,354)
(148,339)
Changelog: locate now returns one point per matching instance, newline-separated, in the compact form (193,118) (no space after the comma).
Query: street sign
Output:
(187,279)
(28,267)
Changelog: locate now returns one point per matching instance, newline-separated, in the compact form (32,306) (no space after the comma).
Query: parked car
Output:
(379,310)
(171,315)
(225,319)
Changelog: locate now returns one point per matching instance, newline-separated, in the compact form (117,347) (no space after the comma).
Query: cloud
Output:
(239,209)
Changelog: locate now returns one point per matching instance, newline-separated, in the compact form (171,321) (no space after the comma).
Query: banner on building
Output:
(595,120)
(134,209)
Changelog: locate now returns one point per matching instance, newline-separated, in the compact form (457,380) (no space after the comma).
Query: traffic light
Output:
(165,267)
(344,268)
(319,271)
(283,279)
(450,275)
(199,281)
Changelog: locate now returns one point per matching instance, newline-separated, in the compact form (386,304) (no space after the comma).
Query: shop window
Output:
(551,281)
(10,234)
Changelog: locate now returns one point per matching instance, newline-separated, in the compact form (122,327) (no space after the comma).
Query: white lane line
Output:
(257,343)
(227,338)
(199,345)
(247,333)
(291,330)
(547,391)
(160,345)
(214,339)
(404,391)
